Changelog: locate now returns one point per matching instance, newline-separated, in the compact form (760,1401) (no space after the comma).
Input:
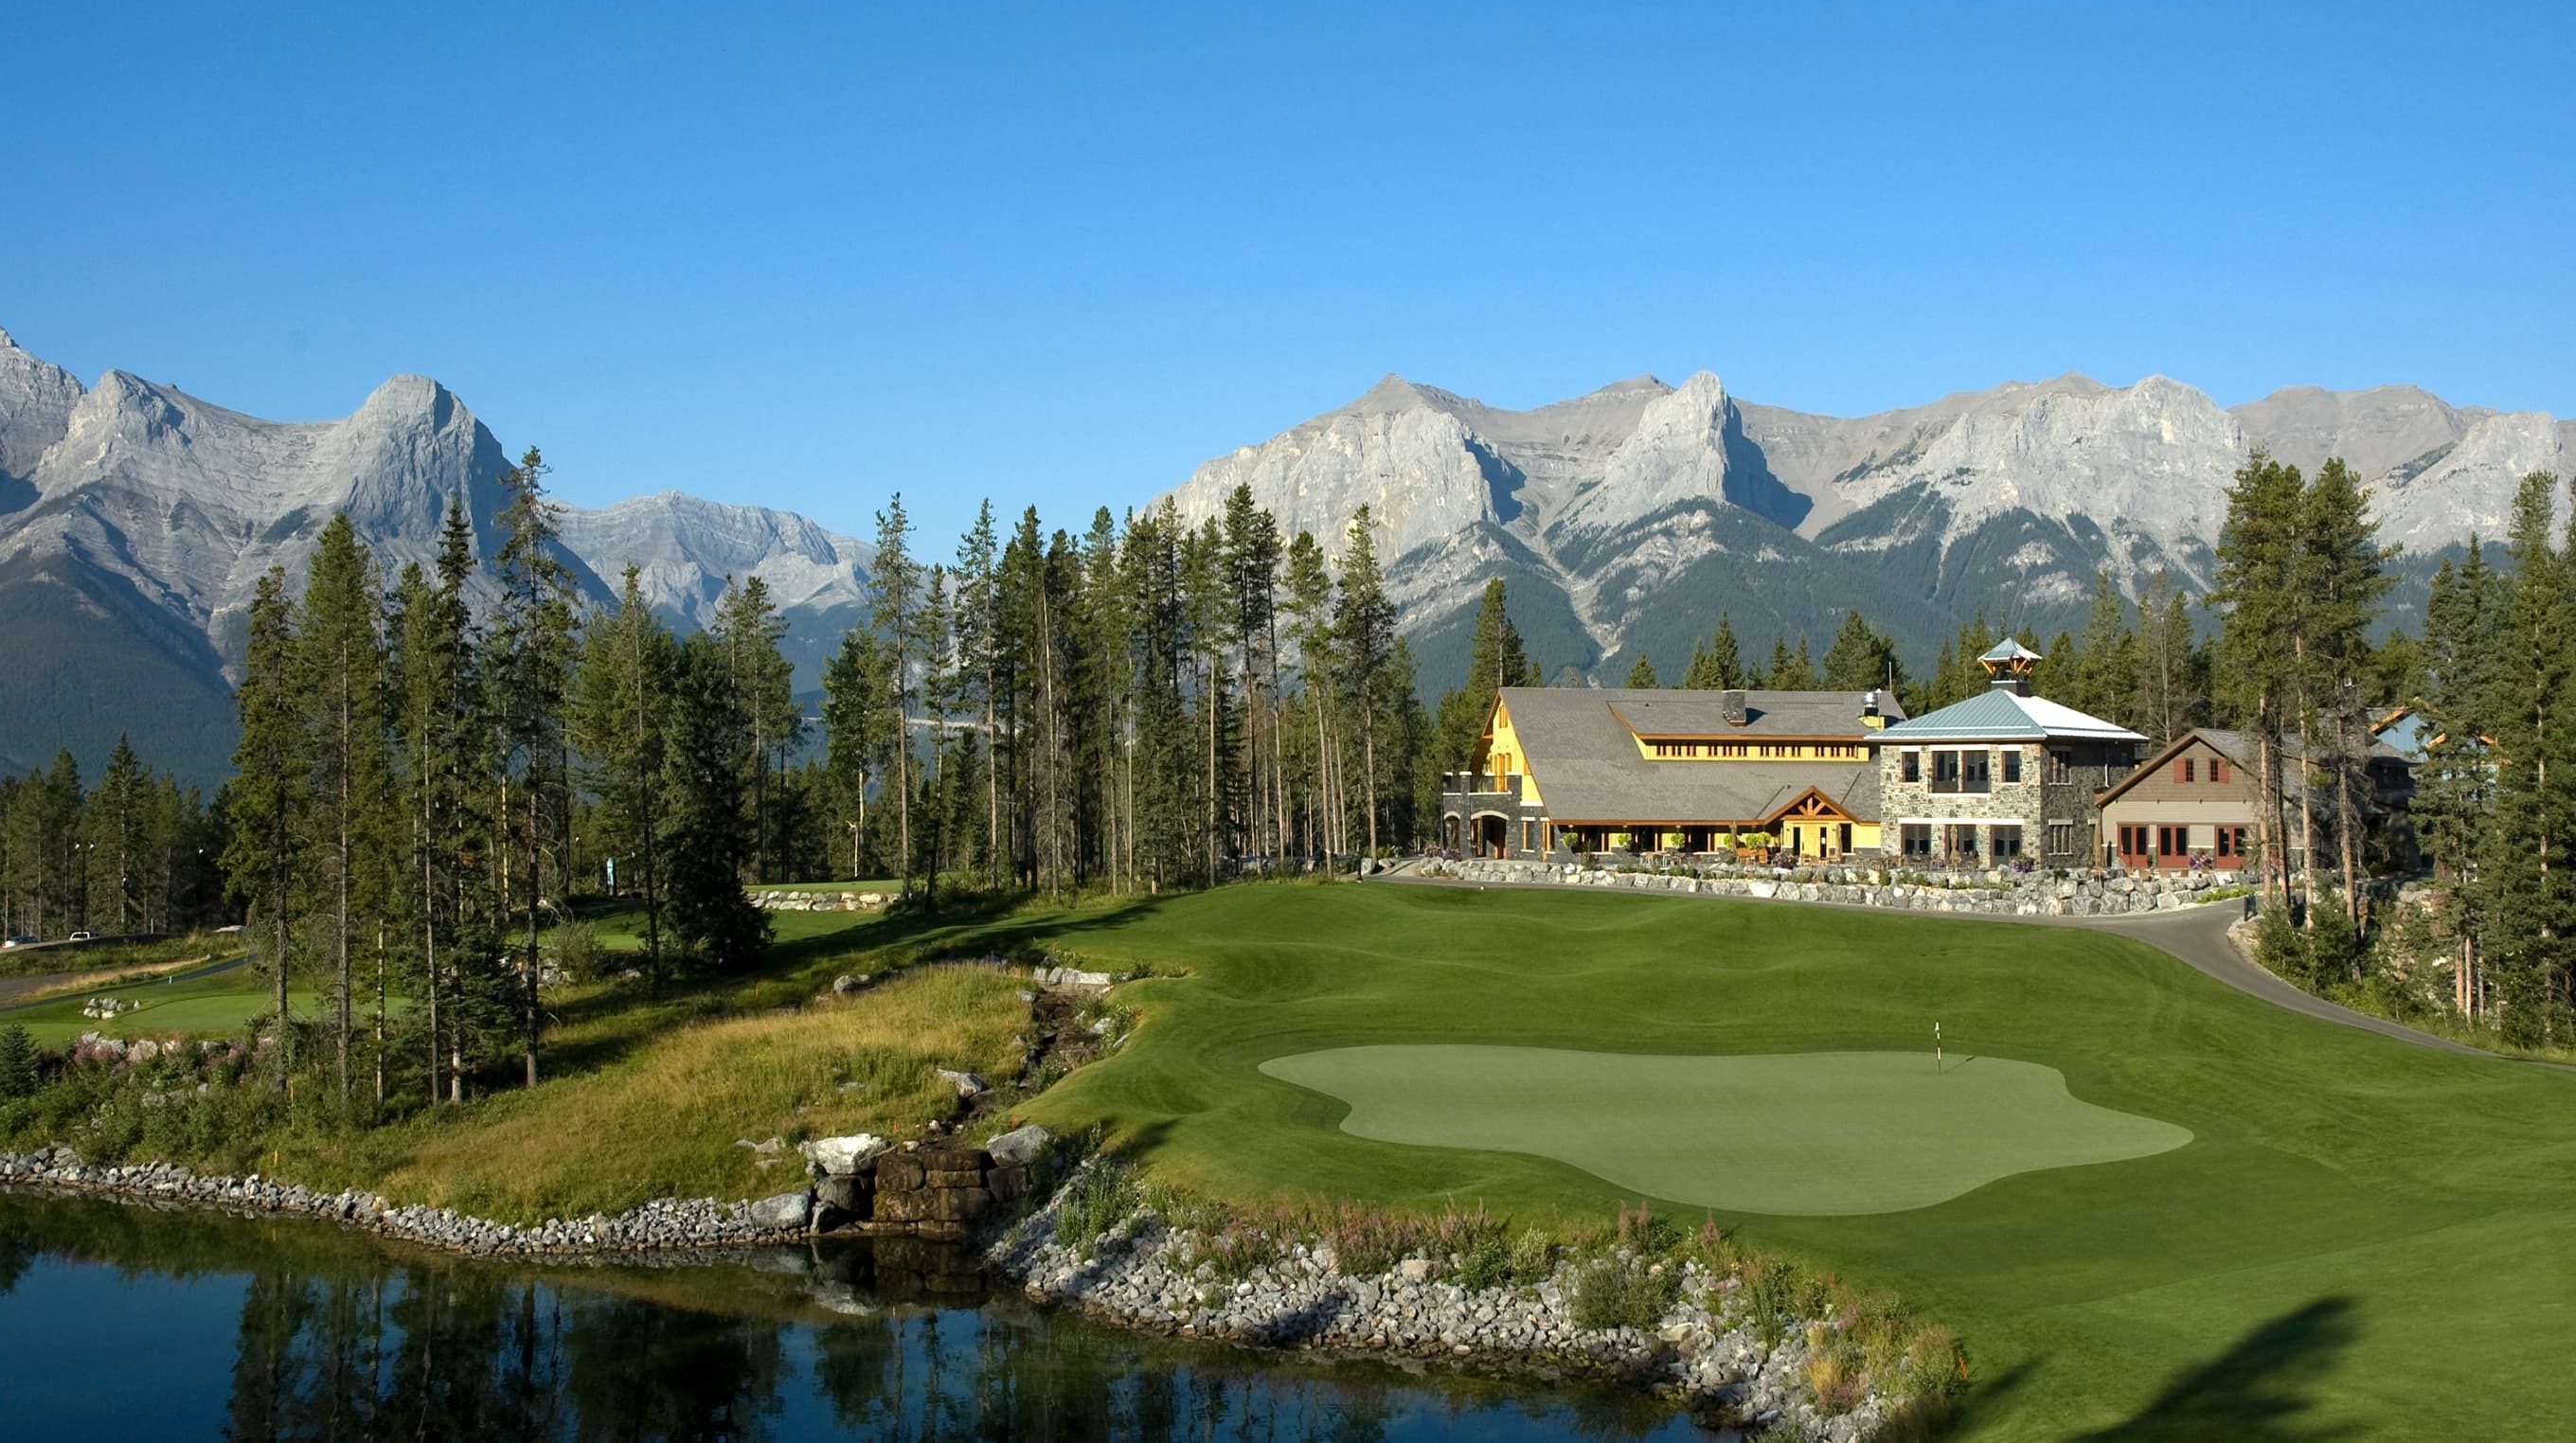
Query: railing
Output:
(1482,786)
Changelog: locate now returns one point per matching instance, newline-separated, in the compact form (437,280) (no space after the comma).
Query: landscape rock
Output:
(843,1156)
(786,1210)
(1021,1146)
(966,1083)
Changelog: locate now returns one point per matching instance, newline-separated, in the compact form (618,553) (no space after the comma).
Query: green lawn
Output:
(1801,1132)
(2361,1238)
(203,1006)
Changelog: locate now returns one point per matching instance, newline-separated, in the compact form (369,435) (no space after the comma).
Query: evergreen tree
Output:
(531,672)
(2168,699)
(710,728)
(1721,666)
(1642,674)
(2102,673)
(1363,639)
(267,798)
(894,608)
(119,821)
(1860,659)
(621,705)
(1790,671)
(2343,576)
(1494,660)
(750,628)
(340,679)
(17,1063)
(2526,872)
(855,734)
(2257,589)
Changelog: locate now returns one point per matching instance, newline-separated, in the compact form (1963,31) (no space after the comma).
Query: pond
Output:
(120,1320)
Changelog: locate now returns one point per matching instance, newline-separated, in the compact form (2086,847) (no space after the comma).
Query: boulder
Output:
(1414,1270)
(786,1210)
(966,1083)
(1021,1146)
(843,1156)
(898,1172)
(1006,1181)
(845,984)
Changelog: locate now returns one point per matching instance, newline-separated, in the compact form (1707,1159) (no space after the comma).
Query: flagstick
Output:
(1936,1047)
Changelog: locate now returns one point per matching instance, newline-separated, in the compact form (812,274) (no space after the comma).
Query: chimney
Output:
(1731,704)
(1870,720)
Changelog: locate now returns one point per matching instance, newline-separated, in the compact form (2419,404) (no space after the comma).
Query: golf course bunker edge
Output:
(1798,1133)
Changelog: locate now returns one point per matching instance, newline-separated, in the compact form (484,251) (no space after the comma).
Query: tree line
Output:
(133,854)
(432,766)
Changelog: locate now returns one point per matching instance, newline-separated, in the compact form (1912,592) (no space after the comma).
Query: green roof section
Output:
(2001,714)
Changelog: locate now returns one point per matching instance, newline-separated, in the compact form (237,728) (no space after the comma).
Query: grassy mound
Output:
(1805,1132)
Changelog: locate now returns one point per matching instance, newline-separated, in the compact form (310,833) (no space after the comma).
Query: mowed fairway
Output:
(2361,1238)
(1803,1132)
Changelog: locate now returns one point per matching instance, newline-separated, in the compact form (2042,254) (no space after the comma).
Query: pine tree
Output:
(17,1063)
(2165,687)
(1642,674)
(268,794)
(531,671)
(1363,638)
(2526,872)
(1494,660)
(1252,556)
(1860,659)
(1790,671)
(2343,576)
(340,679)
(2257,589)
(1725,670)
(2103,675)
(118,817)
(621,717)
(711,813)
(854,729)
(749,626)
(894,607)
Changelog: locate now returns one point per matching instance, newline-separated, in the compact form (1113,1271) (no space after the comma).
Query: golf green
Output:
(1805,1133)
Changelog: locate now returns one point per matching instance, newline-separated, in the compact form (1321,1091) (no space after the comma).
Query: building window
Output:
(1845,838)
(2218,769)
(2061,768)
(2183,769)
(2173,841)
(1909,766)
(1945,771)
(1959,842)
(1975,771)
(2006,842)
(2061,838)
(1914,839)
(2012,764)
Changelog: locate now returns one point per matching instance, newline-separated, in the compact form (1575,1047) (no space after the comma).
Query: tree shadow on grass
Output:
(2256,1390)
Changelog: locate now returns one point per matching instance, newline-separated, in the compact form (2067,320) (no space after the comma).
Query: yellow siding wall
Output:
(1710,750)
(1506,754)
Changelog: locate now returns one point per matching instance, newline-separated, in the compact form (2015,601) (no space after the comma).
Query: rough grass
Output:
(109,956)
(665,1120)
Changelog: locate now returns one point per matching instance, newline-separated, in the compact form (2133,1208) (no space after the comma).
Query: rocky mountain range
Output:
(1627,519)
(135,519)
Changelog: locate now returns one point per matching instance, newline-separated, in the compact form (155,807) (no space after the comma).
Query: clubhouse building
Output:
(2001,777)
(1693,773)
(2194,804)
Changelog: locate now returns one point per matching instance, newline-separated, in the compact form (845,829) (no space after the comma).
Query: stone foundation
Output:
(821,901)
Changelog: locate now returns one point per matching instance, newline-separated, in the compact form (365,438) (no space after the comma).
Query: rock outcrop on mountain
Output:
(136,520)
(1628,518)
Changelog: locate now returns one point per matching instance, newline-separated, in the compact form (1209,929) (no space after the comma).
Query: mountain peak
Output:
(1391,393)
(6,344)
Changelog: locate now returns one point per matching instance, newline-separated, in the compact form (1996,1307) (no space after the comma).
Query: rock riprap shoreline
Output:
(1705,1351)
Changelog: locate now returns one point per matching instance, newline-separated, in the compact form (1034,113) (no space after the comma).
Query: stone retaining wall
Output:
(800,901)
(2001,893)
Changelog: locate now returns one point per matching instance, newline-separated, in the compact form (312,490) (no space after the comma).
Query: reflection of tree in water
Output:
(339,1338)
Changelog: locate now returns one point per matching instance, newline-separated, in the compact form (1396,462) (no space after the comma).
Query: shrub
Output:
(1612,1291)
(1367,1241)
(1770,1289)
(1100,1200)
(1485,1258)
(577,951)
(17,1063)
(1238,1250)
(1533,1256)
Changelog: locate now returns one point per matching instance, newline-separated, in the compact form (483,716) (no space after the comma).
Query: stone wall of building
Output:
(1901,801)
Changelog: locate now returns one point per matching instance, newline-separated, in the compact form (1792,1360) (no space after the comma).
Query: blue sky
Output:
(804,257)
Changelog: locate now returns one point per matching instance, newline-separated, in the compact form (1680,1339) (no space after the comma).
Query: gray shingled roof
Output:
(1586,765)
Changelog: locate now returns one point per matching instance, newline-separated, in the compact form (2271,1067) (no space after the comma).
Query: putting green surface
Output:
(1808,1133)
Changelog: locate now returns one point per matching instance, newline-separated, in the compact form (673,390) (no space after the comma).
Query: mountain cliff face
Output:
(136,520)
(1625,520)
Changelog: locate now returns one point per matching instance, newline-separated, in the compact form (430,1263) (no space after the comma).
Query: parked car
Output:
(84,935)
(20,942)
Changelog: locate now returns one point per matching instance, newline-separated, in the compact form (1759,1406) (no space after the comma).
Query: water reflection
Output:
(261,1330)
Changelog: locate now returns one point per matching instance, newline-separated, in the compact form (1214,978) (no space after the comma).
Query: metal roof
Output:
(2002,714)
